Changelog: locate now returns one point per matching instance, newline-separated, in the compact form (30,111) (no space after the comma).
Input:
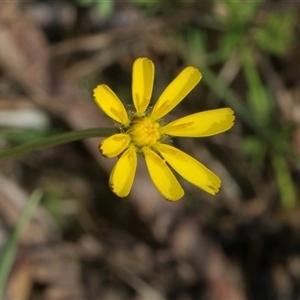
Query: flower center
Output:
(144,132)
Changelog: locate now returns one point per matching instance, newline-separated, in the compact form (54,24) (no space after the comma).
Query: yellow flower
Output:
(143,132)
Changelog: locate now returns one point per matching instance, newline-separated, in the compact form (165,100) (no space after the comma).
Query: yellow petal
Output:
(122,175)
(114,145)
(162,177)
(190,169)
(201,124)
(142,84)
(110,104)
(176,91)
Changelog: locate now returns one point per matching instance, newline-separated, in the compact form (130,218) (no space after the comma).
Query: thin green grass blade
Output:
(284,181)
(259,100)
(9,250)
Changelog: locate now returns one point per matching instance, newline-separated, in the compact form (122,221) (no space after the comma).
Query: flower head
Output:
(143,132)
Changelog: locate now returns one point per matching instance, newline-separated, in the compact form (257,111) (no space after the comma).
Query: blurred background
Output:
(82,241)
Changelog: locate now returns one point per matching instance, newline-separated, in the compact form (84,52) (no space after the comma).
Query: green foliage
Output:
(85,2)
(236,24)
(276,36)
(145,3)
(255,148)
(104,7)
(259,99)
(54,192)
(243,39)
(284,180)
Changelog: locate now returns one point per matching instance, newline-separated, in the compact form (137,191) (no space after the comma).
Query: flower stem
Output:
(56,140)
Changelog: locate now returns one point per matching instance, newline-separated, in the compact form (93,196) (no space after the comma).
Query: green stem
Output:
(56,140)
